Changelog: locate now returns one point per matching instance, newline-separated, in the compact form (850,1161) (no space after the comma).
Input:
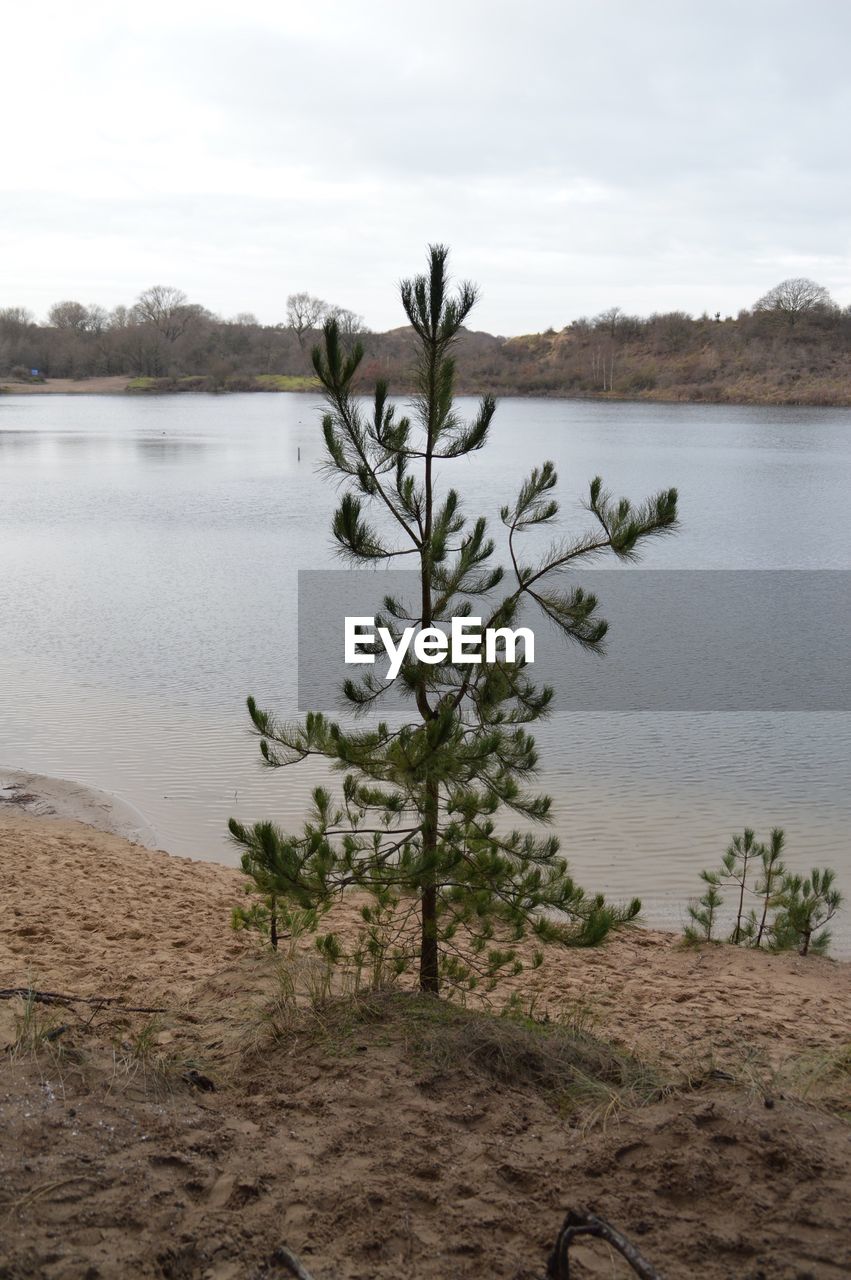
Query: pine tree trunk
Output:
(769,883)
(429,960)
(429,970)
(738,930)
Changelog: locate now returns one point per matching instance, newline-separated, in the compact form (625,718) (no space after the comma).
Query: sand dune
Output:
(87,910)
(354,1147)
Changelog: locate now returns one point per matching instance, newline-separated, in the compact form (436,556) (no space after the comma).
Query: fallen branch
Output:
(284,1258)
(588,1224)
(57,997)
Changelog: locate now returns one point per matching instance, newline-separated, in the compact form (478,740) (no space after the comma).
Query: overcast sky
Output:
(575,155)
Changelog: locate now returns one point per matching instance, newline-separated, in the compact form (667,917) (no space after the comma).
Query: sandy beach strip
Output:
(82,907)
(44,797)
(115,384)
(360,1148)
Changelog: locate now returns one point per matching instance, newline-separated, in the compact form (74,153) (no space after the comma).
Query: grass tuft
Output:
(581,1074)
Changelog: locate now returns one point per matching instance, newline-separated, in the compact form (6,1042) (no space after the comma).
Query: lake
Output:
(149,557)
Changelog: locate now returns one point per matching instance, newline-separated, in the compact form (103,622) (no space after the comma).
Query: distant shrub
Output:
(218,379)
(712,393)
(642,379)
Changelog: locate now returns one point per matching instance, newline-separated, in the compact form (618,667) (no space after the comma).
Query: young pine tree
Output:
(703,912)
(420,821)
(742,853)
(768,885)
(807,905)
(793,911)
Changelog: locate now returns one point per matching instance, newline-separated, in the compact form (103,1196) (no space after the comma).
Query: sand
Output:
(112,385)
(358,1152)
(44,797)
(142,923)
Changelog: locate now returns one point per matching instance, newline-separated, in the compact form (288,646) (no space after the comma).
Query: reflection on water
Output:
(149,583)
(165,449)
(50,447)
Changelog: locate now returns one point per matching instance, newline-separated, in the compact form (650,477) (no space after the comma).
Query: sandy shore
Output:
(69,386)
(380,1146)
(144,924)
(43,797)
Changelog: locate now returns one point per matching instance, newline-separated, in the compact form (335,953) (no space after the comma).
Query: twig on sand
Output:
(284,1258)
(57,997)
(44,1190)
(578,1223)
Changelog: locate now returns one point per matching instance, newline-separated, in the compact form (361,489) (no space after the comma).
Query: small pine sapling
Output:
(704,911)
(792,913)
(274,914)
(806,907)
(770,882)
(741,853)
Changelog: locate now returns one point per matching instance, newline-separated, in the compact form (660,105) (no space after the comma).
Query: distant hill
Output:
(768,355)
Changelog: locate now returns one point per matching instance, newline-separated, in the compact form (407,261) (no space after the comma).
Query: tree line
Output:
(161,335)
(793,345)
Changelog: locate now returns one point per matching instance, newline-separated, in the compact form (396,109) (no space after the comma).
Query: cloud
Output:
(575,155)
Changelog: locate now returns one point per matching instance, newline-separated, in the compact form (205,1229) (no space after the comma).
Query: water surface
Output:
(149,557)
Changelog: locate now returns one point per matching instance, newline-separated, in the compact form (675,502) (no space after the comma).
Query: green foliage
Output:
(806,907)
(420,822)
(273,916)
(771,876)
(284,382)
(704,911)
(780,911)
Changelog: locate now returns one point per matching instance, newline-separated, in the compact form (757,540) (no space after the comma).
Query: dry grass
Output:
(819,1077)
(36,1027)
(58,1040)
(138,1059)
(583,1076)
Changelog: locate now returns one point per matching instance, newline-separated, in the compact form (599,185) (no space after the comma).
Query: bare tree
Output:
(794,298)
(167,309)
(608,320)
(349,322)
(15,321)
(98,318)
(120,317)
(305,312)
(17,325)
(603,366)
(69,315)
(673,330)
